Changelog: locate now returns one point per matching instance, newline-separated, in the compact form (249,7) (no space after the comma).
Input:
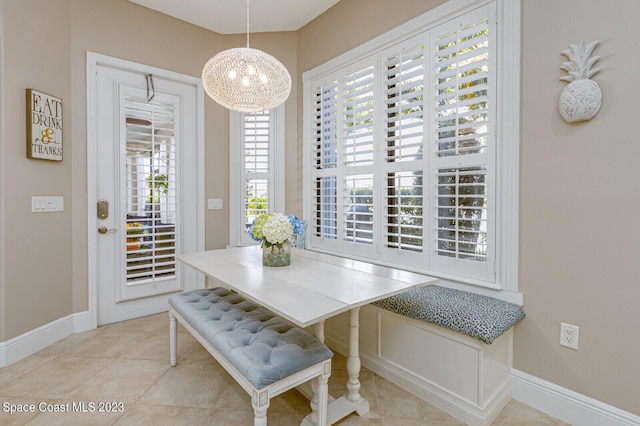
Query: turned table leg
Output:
(353,360)
(318,330)
(173,339)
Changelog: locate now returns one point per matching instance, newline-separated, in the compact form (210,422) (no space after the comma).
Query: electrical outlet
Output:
(569,335)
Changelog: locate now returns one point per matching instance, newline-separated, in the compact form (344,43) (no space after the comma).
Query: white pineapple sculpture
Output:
(580,100)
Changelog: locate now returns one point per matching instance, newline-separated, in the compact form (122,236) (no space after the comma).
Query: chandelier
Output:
(245,79)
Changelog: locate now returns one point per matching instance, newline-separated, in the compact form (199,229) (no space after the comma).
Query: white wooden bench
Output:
(264,353)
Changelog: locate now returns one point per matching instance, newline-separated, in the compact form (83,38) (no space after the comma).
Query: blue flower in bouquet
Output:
(298,225)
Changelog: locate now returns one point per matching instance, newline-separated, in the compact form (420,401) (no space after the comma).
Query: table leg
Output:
(352,401)
(173,339)
(353,360)
(318,330)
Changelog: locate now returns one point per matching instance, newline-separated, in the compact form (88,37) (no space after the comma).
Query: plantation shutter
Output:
(358,158)
(403,164)
(151,194)
(256,167)
(323,220)
(402,151)
(464,129)
(257,173)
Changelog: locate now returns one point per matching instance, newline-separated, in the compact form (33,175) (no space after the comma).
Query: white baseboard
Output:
(565,404)
(31,342)
(83,321)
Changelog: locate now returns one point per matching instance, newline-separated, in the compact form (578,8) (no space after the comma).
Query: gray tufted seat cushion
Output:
(482,317)
(263,346)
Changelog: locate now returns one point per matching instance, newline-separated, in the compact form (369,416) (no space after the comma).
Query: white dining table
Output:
(313,288)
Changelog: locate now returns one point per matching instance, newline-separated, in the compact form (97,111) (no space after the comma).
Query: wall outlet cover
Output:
(569,335)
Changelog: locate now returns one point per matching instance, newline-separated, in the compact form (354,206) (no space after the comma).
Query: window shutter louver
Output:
(324,216)
(358,118)
(463,169)
(404,211)
(256,131)
(257,183)
(404,104)
(404,115)
(462,213)
(358,216)
(462,62)
(326,208)
(151,200)
(326,126)
(358,155)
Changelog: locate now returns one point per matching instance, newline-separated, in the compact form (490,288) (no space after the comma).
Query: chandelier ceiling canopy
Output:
(245,79)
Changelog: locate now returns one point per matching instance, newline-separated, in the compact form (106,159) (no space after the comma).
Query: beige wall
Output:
(44,277)
(37,247)
(580,190)
(580,205)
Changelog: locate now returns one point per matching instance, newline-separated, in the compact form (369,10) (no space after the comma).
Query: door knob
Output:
(104,230)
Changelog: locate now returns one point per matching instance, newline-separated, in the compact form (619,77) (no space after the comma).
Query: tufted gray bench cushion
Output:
(262,346)
(482,317)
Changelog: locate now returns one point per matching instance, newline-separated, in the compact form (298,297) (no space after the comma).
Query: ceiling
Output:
(230,16)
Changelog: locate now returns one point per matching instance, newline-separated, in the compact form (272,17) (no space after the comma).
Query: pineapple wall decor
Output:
(580,100)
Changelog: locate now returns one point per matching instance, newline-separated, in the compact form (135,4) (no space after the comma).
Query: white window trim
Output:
(237,236)
(507,126)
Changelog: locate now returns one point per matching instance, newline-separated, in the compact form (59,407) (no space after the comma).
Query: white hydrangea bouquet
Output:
(274,230)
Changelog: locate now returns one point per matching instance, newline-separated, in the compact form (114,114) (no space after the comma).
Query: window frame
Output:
(237,234)
(507,129)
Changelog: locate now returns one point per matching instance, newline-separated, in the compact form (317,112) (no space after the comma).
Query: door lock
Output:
(103,209)
(104,230)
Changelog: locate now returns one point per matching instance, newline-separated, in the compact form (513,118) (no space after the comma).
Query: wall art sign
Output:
(44,126)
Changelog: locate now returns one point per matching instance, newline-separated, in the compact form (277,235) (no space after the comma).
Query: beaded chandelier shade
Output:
(245,79)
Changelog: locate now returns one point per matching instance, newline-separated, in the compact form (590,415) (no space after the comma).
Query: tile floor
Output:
(126,365)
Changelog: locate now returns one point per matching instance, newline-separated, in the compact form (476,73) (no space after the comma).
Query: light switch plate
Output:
(214,203)
(47,204)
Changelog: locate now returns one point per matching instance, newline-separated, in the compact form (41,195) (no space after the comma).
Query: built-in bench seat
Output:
(451,348)
(264,353)
(482,317)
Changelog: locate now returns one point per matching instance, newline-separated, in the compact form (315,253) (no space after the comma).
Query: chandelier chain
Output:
(247,23)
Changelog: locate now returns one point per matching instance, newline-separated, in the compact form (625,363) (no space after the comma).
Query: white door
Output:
(146,180)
